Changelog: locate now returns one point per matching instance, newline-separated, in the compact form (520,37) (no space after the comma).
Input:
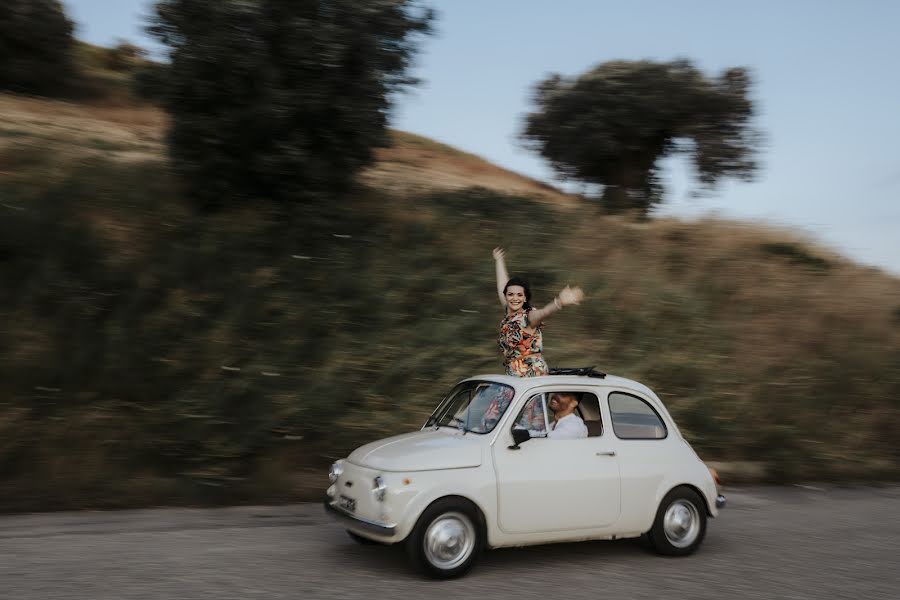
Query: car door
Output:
(555,485)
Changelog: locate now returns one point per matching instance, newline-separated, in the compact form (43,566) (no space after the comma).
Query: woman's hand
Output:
(499,253)
(570,295)
(567,297)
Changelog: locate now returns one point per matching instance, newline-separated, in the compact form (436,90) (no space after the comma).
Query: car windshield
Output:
(473,406)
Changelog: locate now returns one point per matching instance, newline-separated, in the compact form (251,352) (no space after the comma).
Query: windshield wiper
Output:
(436,423)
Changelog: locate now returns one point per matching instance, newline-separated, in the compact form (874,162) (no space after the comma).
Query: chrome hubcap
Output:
(681,523)
(449,540)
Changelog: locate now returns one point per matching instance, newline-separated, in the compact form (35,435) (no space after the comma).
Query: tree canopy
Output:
(282,98)
(612,126)
(35,47)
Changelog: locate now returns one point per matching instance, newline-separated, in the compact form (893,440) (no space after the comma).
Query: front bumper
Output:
(720,501)
(353,522)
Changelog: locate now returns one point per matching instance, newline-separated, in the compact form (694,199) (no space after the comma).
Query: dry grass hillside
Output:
(155,355)
(414,164)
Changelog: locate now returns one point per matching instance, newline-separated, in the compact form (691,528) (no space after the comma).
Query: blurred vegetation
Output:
(152,354)
(35,47)
(156,352)
(612,125)
(284,99)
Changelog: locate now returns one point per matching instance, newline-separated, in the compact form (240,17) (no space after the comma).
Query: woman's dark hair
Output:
(523,283)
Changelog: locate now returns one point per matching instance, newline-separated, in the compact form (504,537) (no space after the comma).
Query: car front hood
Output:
(426,450)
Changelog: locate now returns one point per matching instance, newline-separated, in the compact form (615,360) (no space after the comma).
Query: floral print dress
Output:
(521,350)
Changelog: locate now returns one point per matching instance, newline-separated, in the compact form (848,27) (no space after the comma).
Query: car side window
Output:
(534,416)
(634,419)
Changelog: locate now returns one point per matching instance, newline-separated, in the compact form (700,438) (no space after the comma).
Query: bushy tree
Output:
(614,124)
(35,47)
(124,56)
(150,80)
(282,98)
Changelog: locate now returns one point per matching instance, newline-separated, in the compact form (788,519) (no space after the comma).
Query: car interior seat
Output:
(595,428)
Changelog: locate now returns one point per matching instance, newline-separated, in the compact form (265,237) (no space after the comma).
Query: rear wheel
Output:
(447,539)
(680,523)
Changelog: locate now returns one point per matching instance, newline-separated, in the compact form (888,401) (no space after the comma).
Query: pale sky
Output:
(828,92)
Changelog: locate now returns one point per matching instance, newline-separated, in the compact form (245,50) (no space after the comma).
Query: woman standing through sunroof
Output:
(521,338)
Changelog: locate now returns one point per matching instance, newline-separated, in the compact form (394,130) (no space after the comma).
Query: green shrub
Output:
(154,354)
(796,255)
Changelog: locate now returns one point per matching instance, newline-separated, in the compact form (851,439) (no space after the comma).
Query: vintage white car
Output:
(483,473)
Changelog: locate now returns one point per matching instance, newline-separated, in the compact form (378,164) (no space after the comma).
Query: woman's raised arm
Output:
(568,296)
(502,275)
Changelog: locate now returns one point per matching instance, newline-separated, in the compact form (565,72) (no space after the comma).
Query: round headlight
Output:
(337,469)
(379,488)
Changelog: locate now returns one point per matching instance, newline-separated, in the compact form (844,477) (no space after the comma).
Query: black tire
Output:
(361,540)
(680,523)
(454,517)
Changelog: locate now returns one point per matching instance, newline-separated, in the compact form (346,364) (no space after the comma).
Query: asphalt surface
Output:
(768,543)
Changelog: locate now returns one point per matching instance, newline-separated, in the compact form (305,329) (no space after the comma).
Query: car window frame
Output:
(475,384)
(520,412)
(612,422)
(598,392)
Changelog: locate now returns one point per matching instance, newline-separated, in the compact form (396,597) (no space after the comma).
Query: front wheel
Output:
(447,539)
(680,523)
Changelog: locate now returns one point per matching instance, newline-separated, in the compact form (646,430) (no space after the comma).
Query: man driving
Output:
(567,425)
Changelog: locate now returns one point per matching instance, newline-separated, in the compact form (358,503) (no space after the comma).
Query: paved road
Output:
(769,543)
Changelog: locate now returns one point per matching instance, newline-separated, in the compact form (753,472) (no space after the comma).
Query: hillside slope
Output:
(133,133)
(155,355)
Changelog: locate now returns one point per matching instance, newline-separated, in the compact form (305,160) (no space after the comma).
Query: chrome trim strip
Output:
(355,522)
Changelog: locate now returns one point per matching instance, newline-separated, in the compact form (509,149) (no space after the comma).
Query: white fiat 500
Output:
(483,473)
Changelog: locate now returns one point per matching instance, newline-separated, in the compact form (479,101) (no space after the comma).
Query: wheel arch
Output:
(694,489)
(480,520)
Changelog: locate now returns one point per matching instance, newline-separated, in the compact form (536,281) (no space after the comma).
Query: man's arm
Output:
(568,429)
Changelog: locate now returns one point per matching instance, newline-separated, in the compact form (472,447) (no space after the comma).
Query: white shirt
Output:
(570,427)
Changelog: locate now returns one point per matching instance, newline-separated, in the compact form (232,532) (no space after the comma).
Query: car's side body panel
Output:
(556,485)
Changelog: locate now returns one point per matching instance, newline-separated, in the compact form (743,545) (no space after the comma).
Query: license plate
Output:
(348,504)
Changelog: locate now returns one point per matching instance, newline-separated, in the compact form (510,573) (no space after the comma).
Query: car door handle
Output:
(607,453)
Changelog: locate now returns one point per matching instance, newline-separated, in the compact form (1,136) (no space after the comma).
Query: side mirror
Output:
(519,435)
